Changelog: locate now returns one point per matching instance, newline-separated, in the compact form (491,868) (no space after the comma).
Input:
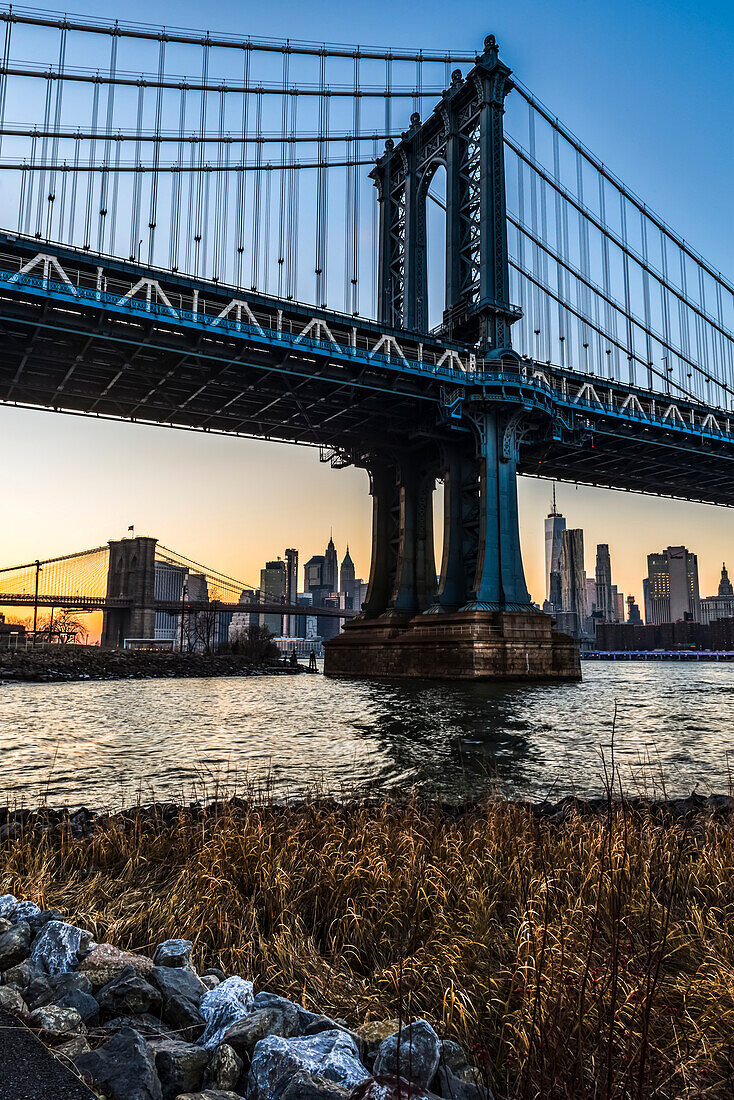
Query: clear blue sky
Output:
(646,84)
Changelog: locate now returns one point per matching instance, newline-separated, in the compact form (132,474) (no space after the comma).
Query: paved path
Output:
(29,1072)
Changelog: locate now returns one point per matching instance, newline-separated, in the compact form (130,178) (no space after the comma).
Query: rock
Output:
(243,1035)
(60,947)
(452,1087)
(209,981)
(61,1020)
(71,1050)
(412,1053)
(309,1086)
(8,905)
(214,972)
(175,953)
(374,1033)
(181,993)
(21,975)
(84,1003)
(295,1018)
(325,1023)
(377,1030)
(46,989)
(105,962)
(209,1094)
(123,1068)
(25,910)
(453,1056)
(389,1087)
(11,1000)
(331,1054)
(43,918)
(5,925)
(15,945)
(221,1007)
(147,1025)
(130,993)
(180,1066)
(225,1068)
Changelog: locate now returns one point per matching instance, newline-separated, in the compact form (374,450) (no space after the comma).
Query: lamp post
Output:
(35,602)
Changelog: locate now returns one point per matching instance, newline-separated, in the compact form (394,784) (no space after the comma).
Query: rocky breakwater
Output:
(151,1028)
(66,663)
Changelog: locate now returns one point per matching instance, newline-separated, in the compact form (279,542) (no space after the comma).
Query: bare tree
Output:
(256,644)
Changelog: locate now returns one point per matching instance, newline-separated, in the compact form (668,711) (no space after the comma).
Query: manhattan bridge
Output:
(400,257)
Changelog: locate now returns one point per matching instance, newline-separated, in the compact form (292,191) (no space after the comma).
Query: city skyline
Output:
(252,499)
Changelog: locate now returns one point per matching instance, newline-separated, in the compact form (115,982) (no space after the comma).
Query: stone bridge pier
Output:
(476,620)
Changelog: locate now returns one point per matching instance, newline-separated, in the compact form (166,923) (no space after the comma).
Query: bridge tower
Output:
(131,577)
(478,621)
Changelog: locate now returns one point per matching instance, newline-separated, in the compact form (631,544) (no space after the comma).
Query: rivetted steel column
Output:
(461,513)
(414,588)
(384,490)
(499,582)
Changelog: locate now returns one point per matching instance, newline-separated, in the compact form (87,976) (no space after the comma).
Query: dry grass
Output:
(589,958)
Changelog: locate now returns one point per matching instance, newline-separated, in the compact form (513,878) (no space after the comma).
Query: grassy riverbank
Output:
(577,954)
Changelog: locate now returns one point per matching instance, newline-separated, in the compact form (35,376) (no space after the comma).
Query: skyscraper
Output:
(555,525)
(331,568)
(291,589)
(272,589)
(573,580)
(605,609)
(346,580)
(725,586)
(671,587)
(633,612)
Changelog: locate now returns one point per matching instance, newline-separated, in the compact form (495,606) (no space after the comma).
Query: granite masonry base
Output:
(461,645)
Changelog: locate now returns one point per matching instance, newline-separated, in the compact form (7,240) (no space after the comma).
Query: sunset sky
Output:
(646,85)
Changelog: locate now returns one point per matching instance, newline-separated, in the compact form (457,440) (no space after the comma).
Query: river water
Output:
(100,743)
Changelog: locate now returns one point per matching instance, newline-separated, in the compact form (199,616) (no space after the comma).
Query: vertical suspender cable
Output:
(30,186)
(224,265)
(176,185)
(153,210)
(321,184)
(293,186)
(282,214)
(5,78)
(356,126)
(265,281)
(646,303)
(347,221)
(41,197)
(115,193)
(558,203)
(137,177)
(51,201)
(109,121)
(218,258)
(242,174)
(257,194)
(626,284)
(91,162)
(199,228)
(74,183)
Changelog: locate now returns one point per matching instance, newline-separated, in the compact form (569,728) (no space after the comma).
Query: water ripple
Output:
(99,743)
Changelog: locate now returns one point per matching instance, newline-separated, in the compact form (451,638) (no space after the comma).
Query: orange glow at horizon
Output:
(233,503)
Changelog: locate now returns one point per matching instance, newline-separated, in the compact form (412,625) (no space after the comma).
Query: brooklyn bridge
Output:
(404,259)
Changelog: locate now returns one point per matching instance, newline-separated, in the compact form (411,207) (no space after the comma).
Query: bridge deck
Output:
(101,337)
